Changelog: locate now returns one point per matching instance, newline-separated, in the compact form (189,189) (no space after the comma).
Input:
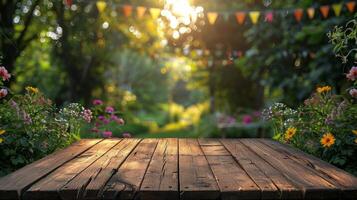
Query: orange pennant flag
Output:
(212,17)
(337,8)
(311,12)
(324,11)
(155,12)
(140,11)
(240,16)
(351,6)
(127,9)
(298,13)
(254,16)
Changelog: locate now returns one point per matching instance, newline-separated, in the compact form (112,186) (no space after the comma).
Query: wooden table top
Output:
(179,169)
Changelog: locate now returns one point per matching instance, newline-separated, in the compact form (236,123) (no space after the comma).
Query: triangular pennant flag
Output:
(240,16)
(311,12)
(298,13)
(324,11)
(212,17)
(254,16)
(269,17)
(154,12)
(226,16)
(140,11)
(68,3)
(351,6)
(337,8)
(127,9)
(101,5)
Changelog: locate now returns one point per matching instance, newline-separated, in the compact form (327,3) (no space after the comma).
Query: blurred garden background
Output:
(178,68)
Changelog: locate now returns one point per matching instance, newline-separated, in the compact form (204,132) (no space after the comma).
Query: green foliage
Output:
(308,126)
(34,128)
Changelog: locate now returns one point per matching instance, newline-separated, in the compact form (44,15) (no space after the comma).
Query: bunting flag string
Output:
(240,16)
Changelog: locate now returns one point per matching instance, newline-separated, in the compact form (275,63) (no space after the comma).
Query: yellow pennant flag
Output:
(101,5)
(254,16)
(140,11)
(311,12)
(337,8)
(212,16)
(155,12)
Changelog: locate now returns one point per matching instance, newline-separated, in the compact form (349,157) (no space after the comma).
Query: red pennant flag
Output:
(68,2)
(298,13)
(269,17)
(127,9)
(351,6)
(240,16)
(324,11)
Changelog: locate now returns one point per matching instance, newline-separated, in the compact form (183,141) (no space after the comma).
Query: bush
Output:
(31,127)
(324,126)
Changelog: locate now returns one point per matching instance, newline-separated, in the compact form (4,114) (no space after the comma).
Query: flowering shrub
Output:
(324,126)
(106,117)
(31,126)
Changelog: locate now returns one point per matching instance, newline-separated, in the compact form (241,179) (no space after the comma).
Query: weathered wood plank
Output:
(189,147)
(209,141)
(233,181)
(125,183)
(49,186)
(314,186)
(257,170)
(89,182)
(14,184)
(347,182)
(195,176)
(161,178)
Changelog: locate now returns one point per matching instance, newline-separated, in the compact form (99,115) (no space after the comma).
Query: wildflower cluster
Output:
(32,127)
(324,126)
(106,118)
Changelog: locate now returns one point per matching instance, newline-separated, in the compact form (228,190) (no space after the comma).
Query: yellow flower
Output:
(1,140)
(32,89)
(2,132)
(327,140)
(354,132)
(289,133)
(323,89)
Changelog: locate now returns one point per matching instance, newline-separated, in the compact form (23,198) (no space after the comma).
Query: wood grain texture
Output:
(314,186)
(13,185)
(48,187)
(195,176)
(165,169)
(125,183)
(346,181)
(89,182)
(161,178)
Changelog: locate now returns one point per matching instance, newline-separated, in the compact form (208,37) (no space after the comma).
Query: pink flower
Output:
(3,93)
(87,115)
(126,135)
(247,119)
(107,134)
(26,117)
(101,118)
(4,74)
(353,92)
(109,109)
(106,121)
(120,121)
(352,75)
(97,102)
